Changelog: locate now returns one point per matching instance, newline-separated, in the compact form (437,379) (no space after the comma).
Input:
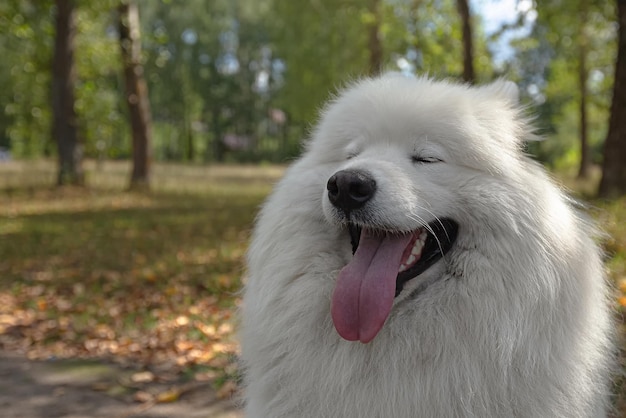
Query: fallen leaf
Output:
(142,377)
(168,396)
(182,320)
(101,386)
(143,396)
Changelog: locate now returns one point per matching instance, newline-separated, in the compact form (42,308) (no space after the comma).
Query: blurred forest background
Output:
(201,103)
(240,81)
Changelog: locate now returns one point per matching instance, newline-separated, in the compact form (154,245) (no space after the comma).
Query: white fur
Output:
(515,322)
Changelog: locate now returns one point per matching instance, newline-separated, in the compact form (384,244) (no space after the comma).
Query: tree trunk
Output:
(613,181)
(468,52)
(191,149)
(585,158)
(219,150)
(136,94)
(375,45)
(64,130)
(186,90)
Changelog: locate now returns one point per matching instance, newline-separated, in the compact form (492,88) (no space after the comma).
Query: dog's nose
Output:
(350,189)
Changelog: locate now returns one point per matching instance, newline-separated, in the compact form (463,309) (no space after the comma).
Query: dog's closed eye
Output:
(425,160)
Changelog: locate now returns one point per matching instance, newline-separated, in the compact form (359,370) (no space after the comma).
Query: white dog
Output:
(414,263)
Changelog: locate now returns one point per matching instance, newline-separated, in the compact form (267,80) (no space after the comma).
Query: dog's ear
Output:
(503,89)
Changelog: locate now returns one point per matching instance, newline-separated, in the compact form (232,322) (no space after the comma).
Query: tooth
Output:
(410,260)
(417,248)
(402,268)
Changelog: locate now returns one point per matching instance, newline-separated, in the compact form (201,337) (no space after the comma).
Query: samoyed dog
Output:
(415,263)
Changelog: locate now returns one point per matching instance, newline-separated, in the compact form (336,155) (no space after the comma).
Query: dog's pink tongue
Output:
(366,287)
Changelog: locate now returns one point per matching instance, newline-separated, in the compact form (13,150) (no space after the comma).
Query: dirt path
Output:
(88,389)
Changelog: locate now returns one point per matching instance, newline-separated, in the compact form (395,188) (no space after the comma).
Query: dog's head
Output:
(400,151)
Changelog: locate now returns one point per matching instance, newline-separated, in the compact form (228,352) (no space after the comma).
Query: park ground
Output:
(120,304)
(83,388)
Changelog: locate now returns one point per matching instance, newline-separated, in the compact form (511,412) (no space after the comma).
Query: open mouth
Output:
(382,264)
(427,246)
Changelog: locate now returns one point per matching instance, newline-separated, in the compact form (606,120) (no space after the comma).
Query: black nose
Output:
(350,189)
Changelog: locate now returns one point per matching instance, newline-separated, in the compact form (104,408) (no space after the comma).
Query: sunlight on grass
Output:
(141,278)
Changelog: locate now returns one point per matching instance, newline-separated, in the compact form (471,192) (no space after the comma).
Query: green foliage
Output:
(333,48)
(26,38)
(202,62)
(99,106)
(323,44)
(546,65)
(218,69)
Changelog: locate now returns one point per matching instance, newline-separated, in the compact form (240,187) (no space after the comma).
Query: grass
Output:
(148,279)
(152,279)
